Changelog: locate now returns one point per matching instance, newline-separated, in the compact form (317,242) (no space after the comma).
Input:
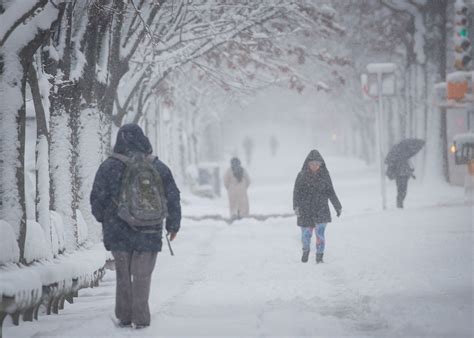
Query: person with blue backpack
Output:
(134,196)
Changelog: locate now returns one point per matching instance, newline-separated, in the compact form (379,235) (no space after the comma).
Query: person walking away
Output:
(401,171)
(236,182)
(399,167)
(249,146)
(313,188)
(133,196)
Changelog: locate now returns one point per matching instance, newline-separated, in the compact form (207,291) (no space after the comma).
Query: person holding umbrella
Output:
(399,166)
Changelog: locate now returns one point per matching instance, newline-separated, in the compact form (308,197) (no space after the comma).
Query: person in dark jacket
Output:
(402,170)
(313,188)
(134,252)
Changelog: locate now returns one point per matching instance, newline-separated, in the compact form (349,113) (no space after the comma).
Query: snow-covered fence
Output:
(24,289)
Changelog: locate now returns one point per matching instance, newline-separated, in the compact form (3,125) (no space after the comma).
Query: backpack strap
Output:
(151,158)
(125,159)
(121,158)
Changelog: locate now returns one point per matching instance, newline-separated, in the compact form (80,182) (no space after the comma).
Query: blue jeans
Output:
(307,233)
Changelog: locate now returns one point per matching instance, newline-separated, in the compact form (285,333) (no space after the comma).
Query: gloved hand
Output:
(297,212)
(338,212)
(172,235)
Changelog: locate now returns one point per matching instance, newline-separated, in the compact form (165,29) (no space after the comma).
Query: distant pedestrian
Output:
(399,166)
(134,193)
(401,171)
(313,188)
(237,181)
(249,146)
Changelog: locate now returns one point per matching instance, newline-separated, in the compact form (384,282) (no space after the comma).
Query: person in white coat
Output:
(237,181)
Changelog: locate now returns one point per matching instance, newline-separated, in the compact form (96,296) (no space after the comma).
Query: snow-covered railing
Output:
(23,289)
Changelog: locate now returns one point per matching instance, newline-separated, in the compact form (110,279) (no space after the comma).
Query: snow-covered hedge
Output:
(25,283)
(36,247)
(82,232)
(57,233)
(9,252)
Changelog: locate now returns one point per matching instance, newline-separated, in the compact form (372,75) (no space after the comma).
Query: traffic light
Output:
(462,45)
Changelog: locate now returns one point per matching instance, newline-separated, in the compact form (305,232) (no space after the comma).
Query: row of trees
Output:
(175,65)
(91,66)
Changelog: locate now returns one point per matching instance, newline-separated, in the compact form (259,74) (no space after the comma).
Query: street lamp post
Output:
(380,142)
(385,86)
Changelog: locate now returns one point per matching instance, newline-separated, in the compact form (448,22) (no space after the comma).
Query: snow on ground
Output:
(387,273)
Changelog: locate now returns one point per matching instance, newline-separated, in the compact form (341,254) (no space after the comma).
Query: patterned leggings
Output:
(307,233)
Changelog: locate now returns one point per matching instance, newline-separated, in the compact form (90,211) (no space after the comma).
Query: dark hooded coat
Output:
(399,169)
(312,192)
(118,236)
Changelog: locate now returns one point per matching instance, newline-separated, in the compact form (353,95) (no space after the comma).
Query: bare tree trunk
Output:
(105,134)
(42,158)
(436,21)
(13,61)
(20,170)
(60,162)
(61,98)
(444,141)
(182,147)
(12,205)
(194,139)
(74,125)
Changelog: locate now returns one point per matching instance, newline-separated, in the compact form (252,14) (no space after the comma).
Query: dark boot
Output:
(399,203)
(319,258)
(305,256)
(122,323)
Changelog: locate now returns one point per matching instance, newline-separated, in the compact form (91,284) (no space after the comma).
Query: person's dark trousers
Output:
(133,270)
(402,185)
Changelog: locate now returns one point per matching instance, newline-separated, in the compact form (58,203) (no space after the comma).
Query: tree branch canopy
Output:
(18,13)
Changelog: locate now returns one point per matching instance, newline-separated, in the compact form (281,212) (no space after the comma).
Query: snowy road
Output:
(393,273)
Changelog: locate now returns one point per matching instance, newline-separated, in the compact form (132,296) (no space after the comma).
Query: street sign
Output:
(388,79)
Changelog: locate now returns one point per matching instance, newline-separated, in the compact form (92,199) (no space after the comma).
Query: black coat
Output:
(118,236)
(312,192)
(403,168)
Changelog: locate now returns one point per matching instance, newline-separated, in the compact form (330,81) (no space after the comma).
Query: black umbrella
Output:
(403,150)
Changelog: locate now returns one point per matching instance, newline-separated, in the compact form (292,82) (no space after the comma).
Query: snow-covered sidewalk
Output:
(387,273)
(397,273)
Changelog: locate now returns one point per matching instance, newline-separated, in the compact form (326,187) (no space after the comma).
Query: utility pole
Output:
(380,142)
(386,85)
